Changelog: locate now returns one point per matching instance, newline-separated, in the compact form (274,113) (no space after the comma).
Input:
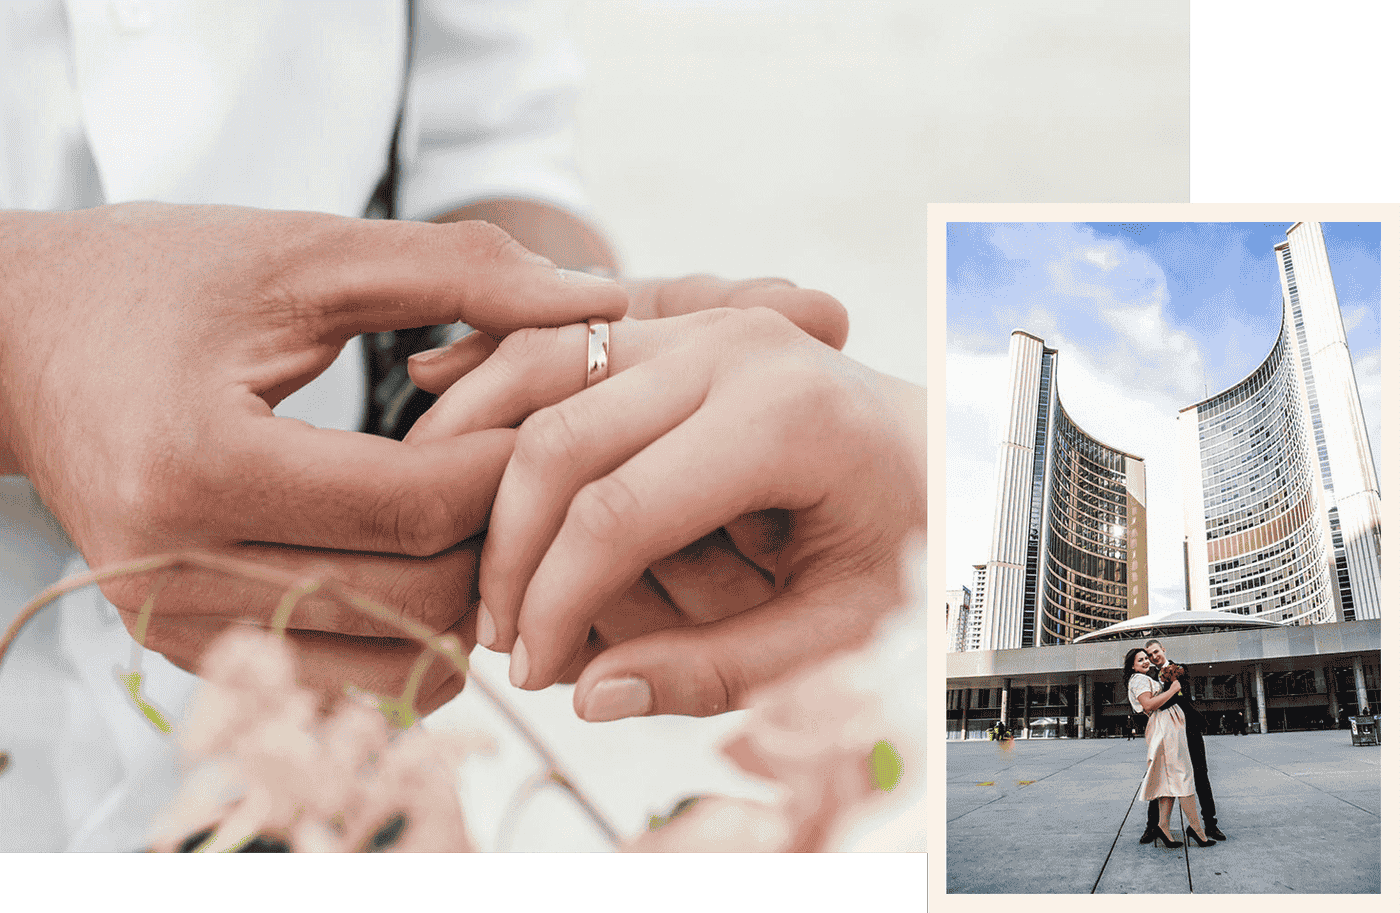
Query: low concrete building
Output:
(1244,673)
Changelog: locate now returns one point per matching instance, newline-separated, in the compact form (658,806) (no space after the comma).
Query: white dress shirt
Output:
(281,104)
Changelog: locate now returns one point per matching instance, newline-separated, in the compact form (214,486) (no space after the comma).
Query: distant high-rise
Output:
(973,641)
(1282,505)
(957,609)
(1069,537)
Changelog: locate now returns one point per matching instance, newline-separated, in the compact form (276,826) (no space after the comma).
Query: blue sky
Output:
(1149,318)
(1222,284)
(1217,282)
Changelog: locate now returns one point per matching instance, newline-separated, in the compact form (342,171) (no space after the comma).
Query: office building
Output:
(1069,536)
(1282,528)
(1282,503)
(973,641)
(957,609)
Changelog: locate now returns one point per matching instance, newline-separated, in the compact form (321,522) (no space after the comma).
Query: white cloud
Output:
(1368,387)
(1070,283)
(1102,257)
(1125,372)
(976,395)
(1154,354)
(1353,317)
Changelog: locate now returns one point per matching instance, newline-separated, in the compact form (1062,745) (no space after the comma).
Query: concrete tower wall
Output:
(1006,561)
(1355,490)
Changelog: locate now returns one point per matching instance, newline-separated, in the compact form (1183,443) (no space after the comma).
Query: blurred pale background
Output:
(805,140)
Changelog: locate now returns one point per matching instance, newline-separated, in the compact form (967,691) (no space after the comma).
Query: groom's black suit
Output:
(1196,745)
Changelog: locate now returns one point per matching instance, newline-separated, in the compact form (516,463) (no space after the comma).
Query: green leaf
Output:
(679,809)
(132,680)
(399,713)
(387,835)
(885,766)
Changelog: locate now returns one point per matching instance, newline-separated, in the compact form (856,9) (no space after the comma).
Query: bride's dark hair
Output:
(1129,660)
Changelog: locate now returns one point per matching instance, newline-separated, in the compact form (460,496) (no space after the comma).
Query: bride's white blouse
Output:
(1137,684)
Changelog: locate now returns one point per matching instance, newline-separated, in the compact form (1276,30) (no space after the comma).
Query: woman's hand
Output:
(1152,702)
(709,579)
(813,464)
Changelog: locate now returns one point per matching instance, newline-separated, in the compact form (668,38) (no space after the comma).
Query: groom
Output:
(1195,744)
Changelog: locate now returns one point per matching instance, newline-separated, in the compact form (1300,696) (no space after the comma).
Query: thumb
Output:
(716,667)
(370,275)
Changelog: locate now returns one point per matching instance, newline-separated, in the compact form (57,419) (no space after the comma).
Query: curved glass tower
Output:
(1094,523)
(1069,539)
(1281,497)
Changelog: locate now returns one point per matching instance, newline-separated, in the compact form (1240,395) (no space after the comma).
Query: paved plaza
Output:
(1302,811)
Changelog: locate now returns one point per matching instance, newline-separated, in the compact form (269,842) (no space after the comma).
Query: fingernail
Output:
(427,356)
(575,277)
(485,626)
(617,698)
(519,664)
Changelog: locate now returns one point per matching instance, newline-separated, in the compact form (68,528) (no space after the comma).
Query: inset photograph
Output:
(1162,554)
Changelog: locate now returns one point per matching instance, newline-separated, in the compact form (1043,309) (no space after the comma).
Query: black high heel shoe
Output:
(1165,840)
(1192,835)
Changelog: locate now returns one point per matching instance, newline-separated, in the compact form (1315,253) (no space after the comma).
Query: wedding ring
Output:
(597,351)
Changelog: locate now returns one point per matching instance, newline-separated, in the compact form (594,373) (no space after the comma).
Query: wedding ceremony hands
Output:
(144,347)
(724,419)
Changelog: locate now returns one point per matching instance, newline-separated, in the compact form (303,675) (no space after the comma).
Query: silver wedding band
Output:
(597,351)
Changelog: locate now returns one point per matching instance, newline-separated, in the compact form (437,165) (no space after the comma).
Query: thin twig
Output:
(294,595)
(553,768)
(515,807)
(35,605)
(295,588)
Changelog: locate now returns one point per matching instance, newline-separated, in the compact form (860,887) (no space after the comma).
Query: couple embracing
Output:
(1176,751)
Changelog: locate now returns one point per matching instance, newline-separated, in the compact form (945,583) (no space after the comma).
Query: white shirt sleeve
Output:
(1138,684)
(489,107)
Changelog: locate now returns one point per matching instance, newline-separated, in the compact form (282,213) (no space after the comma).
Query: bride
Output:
(1169,772)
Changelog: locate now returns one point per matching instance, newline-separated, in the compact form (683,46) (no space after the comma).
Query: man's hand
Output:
(142,350)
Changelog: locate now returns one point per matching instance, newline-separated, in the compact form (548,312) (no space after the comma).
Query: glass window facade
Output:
(1263,522)
(1085,579)
(1042,434)
(1282,498)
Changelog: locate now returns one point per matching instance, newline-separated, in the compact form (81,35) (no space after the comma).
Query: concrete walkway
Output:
(1302,811)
